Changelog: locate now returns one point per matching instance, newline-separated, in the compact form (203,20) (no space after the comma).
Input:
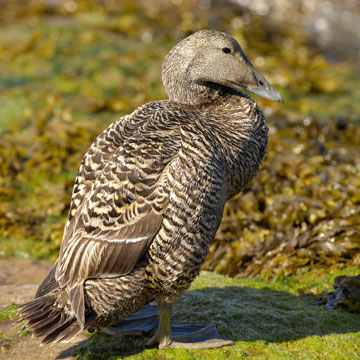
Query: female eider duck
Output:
(150,193)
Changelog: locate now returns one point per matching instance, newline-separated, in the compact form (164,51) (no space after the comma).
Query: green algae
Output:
(9,313)
(7,330)
(267,320)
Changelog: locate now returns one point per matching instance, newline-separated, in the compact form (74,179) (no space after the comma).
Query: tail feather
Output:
(73,330)
(47,320)
(35,317)
(57,332)
(39,322)
(32,308)
(41,329)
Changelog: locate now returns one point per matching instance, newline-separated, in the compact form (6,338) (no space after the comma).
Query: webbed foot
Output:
(192,337)
(175,336)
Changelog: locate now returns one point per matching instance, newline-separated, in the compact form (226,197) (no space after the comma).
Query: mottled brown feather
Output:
(150,193)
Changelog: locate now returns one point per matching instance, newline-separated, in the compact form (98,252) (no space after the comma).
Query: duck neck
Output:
(180,85)
(195,94)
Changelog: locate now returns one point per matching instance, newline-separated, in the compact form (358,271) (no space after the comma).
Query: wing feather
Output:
(117,202)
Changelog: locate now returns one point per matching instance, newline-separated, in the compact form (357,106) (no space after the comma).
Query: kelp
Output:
(68,70)
(37,169)
(302,209)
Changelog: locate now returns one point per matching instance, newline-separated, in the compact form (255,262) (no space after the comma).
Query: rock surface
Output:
(19,280)
(345,294)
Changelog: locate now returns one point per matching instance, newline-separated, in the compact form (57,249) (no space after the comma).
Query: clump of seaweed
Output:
(37,168)
(302,209)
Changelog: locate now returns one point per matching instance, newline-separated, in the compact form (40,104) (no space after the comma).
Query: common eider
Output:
(150,192)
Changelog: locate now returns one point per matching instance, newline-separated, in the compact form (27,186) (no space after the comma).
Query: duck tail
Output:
(49,321)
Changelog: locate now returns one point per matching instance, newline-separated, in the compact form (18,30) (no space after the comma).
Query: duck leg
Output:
(163,333)
(183,336)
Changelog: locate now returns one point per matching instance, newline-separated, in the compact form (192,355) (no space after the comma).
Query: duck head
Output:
(201,64)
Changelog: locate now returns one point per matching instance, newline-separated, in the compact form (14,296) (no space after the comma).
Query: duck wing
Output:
(118,213)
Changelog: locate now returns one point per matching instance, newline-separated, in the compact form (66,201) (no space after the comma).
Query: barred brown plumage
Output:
(150,193)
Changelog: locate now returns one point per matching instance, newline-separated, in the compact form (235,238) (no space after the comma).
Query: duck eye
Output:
(226,50)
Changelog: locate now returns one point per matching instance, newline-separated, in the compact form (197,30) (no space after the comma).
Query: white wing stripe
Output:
(126,241)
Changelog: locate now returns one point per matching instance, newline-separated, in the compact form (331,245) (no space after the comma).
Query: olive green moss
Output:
(9,313)
(9,329)
(267,320)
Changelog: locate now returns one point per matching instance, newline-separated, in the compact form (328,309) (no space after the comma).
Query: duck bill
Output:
(263,88)
(268,93)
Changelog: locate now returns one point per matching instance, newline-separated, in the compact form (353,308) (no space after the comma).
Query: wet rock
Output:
(345,294)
